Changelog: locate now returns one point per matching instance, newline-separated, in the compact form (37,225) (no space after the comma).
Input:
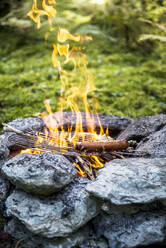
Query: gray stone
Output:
(4,189)
(126,181)
(80,239)
(114,123)
(131,230)
(130,209)
(55,216)
(15,142)
(19,232)
(41,174)
(143,127)
(24,124)
(4,151)
(154,145)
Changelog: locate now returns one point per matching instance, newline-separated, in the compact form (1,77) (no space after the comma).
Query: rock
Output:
(24,124)
(5,240)
(20,233)
(131,230)
(55,216)
(114,123)
(41,174)
(15,142)
(128,181)
(4,192)
(154,145)
(4,189)
(4,151)
(143,127)
(80,239)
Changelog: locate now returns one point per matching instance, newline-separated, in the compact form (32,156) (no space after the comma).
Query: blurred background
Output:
(127,56)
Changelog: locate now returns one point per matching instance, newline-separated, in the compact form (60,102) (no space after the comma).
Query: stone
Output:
(55,216)
(41,174)
(5,240)
(80,238)
(129,181)
(131,230)
(143,127)
(24,124)
(4,189)
(130,209)
(19,232)
(154,145)
(114,123)
(4,151)
(4,192)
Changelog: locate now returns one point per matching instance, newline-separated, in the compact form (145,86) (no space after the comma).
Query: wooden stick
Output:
(116,145)
(85,167)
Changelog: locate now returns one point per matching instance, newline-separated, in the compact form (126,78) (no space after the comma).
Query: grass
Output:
(129,83)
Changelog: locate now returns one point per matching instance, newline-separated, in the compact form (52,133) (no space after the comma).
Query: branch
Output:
(116,145)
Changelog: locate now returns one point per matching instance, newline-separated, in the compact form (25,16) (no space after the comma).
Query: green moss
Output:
(128,83)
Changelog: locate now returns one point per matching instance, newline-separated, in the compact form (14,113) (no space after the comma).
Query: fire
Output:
(76,86)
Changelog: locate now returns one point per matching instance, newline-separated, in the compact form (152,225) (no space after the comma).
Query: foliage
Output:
(144,37)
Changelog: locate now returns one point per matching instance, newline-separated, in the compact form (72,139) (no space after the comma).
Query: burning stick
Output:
(116,145)
(85,167)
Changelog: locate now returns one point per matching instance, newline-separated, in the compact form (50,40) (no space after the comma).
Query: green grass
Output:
(128,83)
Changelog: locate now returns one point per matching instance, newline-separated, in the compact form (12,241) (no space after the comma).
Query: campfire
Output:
(89,149)
(78,178)
(89,152)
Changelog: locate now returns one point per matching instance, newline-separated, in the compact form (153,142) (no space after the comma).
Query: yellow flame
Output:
(48,10)
(64,35)
(77,83)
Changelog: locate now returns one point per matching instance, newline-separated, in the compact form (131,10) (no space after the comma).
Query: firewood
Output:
(85,167)
(80,147)
(116,145)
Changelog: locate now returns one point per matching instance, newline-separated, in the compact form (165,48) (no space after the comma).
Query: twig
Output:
(85,167)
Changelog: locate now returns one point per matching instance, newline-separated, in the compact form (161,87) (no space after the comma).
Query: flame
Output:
(76,86)
(48,10)
(30,151)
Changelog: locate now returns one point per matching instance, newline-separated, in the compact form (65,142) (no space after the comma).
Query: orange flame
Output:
(76,85)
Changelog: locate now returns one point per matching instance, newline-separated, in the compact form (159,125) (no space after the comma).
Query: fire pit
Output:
(81,179)
(48,204)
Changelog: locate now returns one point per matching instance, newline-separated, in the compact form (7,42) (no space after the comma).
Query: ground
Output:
(129,82)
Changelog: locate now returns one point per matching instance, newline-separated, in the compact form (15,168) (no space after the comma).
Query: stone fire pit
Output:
(47,206)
